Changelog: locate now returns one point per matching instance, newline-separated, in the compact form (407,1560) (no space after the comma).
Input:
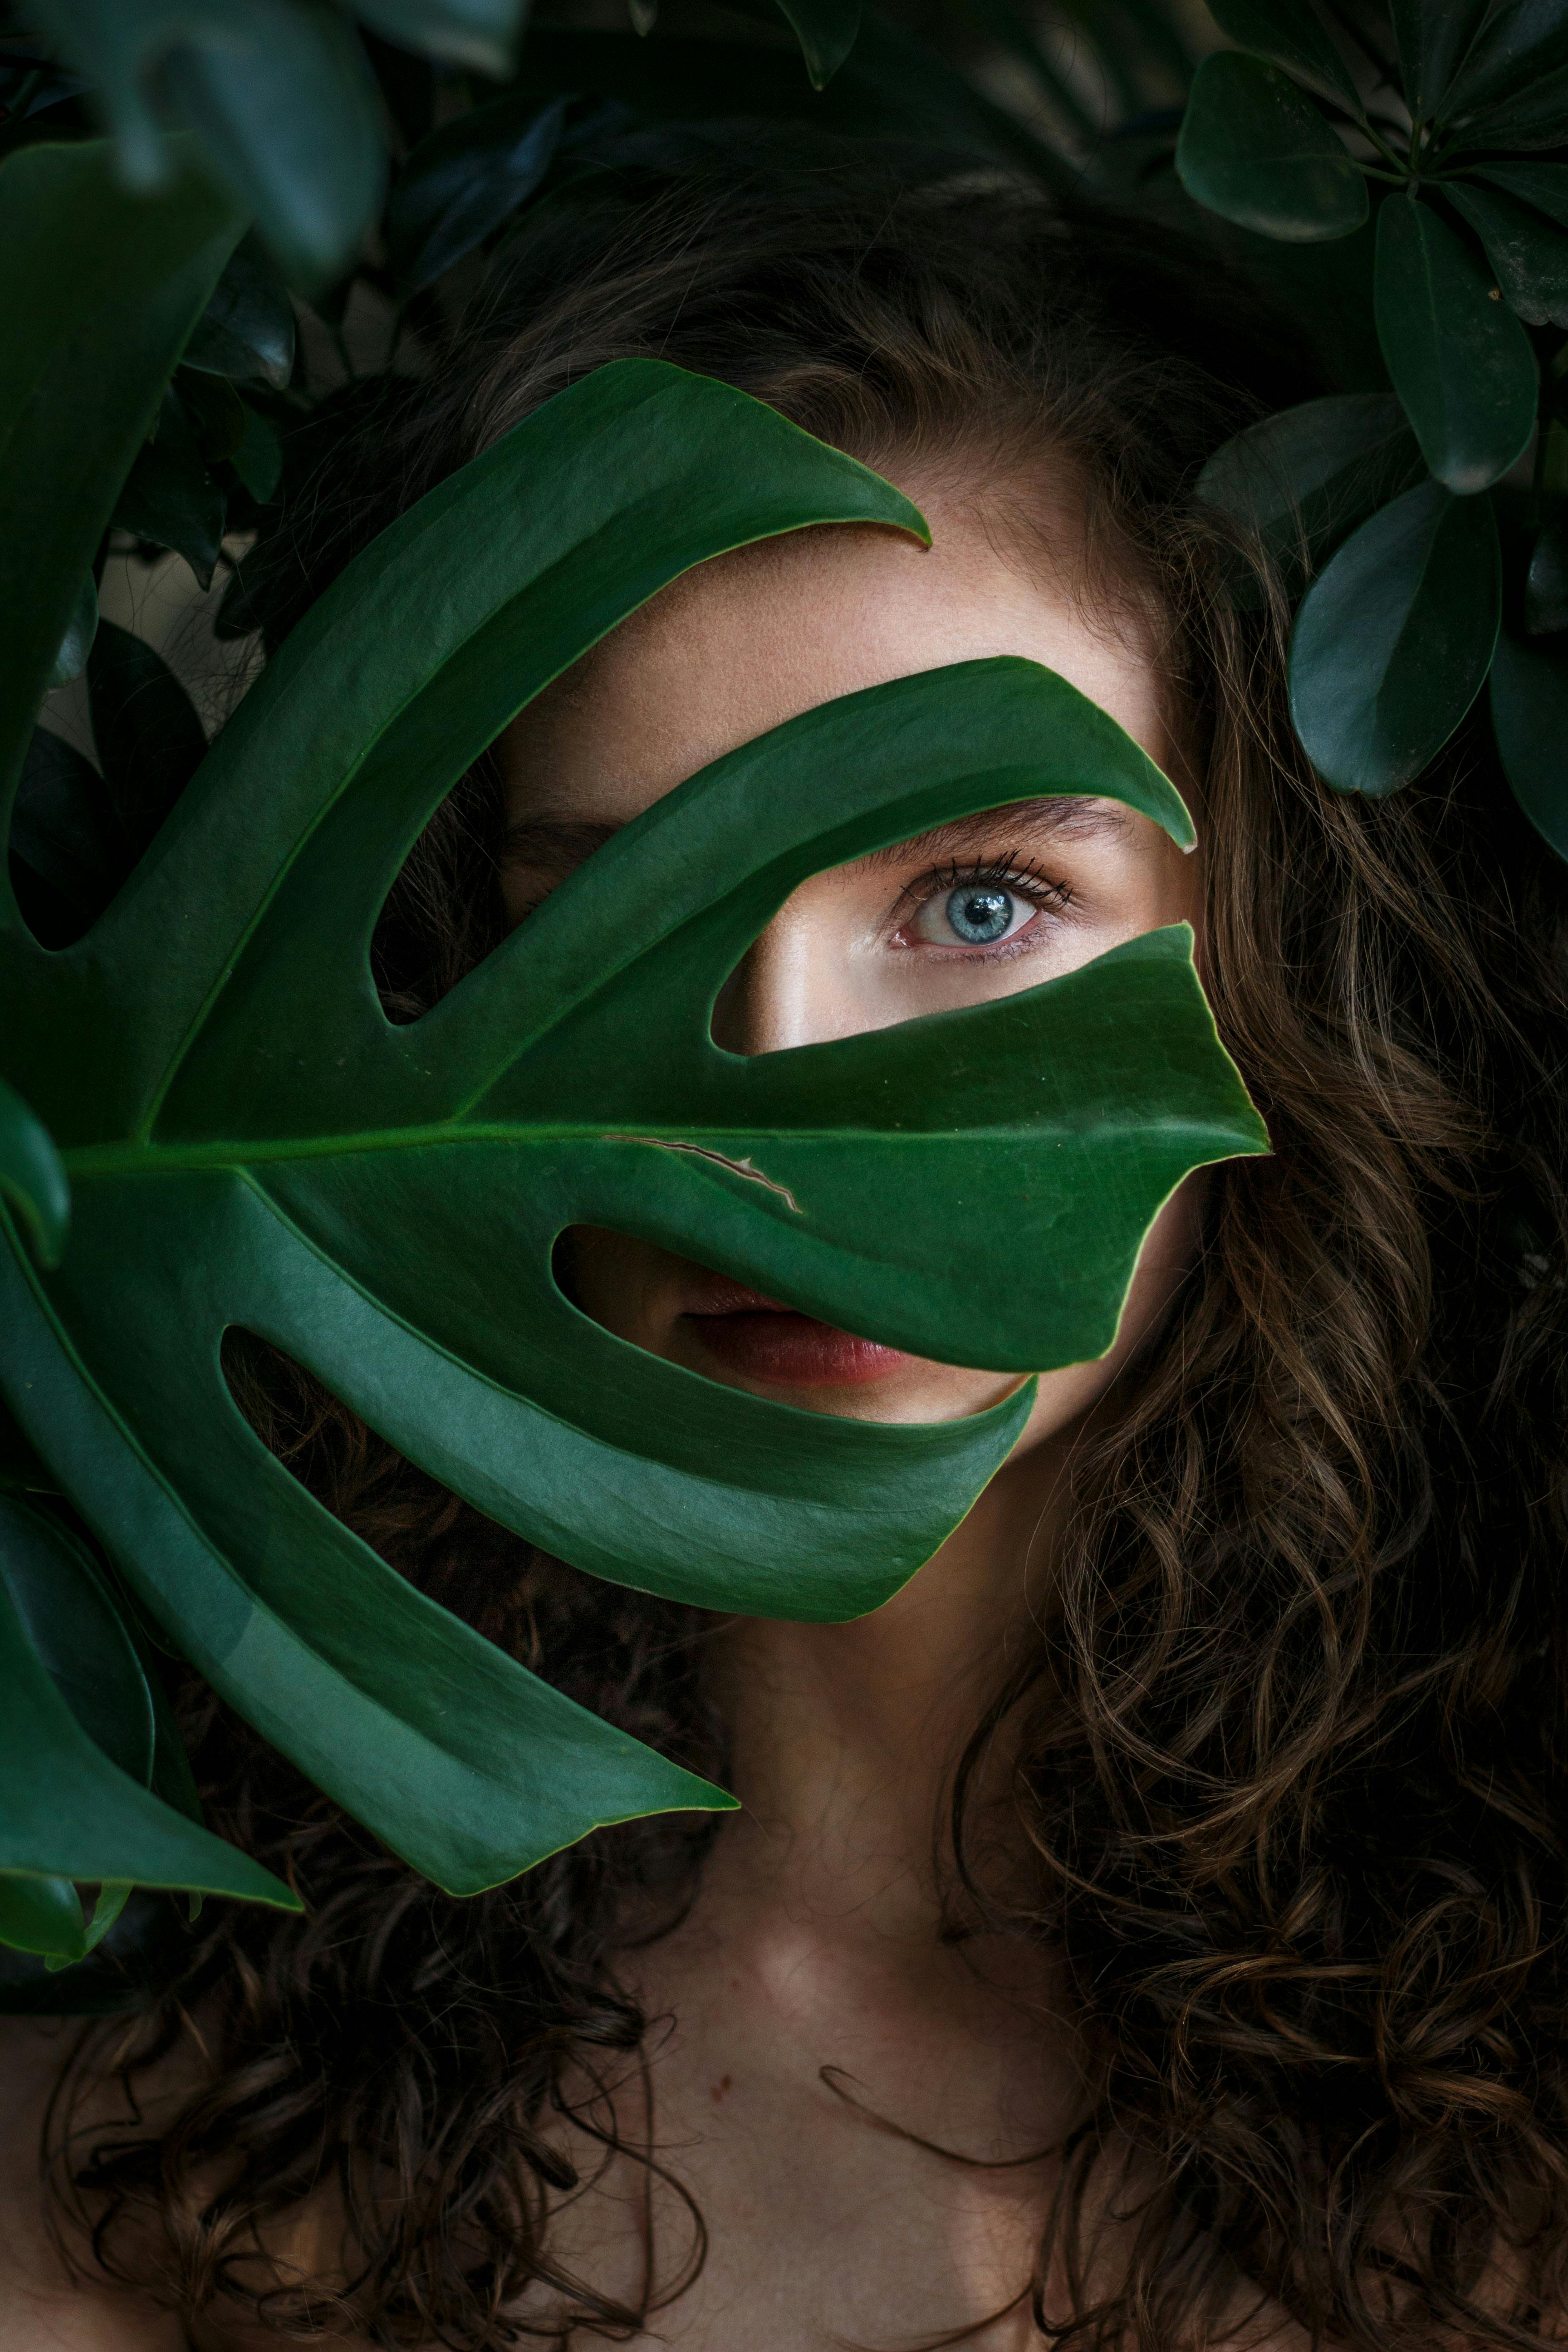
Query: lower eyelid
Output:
(956,952)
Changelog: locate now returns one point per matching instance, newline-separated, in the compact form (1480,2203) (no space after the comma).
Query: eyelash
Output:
(1007,873)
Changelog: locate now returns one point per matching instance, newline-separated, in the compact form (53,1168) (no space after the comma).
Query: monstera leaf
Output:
(250,1141)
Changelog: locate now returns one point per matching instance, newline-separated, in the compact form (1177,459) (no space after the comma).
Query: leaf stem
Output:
(1403,165)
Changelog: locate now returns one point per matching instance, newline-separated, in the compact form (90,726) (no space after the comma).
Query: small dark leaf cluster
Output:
(1427,529)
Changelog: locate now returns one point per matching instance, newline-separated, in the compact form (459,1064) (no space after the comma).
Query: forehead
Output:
(753,638)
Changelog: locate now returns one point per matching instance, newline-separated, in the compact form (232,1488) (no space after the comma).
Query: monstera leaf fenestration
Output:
(250,1141)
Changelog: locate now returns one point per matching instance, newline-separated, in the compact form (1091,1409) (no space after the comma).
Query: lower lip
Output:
(794,1350)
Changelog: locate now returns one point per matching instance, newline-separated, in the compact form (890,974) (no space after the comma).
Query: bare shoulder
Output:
(42,2308)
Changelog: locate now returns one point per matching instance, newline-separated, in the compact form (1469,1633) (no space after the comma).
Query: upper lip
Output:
(719,1294)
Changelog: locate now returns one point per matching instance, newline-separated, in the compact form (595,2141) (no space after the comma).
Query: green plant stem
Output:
(1402,164)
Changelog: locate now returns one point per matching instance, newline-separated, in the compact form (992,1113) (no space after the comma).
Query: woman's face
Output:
(994,903)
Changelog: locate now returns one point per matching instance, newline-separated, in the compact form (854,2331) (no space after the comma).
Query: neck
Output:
(846,1737)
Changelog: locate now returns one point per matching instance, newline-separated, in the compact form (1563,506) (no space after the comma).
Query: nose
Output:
(806,978)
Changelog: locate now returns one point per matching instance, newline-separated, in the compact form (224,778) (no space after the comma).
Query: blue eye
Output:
(981,913)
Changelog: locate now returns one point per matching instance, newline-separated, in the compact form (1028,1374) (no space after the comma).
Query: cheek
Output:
(621,1283)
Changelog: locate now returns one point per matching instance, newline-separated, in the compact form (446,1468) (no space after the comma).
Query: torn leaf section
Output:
(746,1167)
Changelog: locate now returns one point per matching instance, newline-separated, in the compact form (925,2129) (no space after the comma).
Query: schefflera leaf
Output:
(252,1142)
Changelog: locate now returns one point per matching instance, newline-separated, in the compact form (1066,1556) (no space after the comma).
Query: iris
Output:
(980,914)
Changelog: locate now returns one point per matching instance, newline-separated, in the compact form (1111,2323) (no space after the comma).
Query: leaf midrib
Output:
(86,1163)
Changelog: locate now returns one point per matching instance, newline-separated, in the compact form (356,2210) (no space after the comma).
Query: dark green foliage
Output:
(1530,714)
(68,852)
(1459,359)
(1546,581)
(1434,37)
(247,331)
(464,181)
(169,497)
(1393,639)
(80,630)
(1528,255)
(1304,478)
(277,92)
(1510,90)
(65,448)
(33,1184)
(150,742)
(1471,298)
(1287,34)
(76,1809)
(1254,149)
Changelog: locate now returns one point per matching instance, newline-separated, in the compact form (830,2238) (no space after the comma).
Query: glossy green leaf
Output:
(1302,479)
(112,1901)
(170,498)
(42,1916)
(33,1184)
(69,1813)
(1543,185)
(381,1203)
(214,412)
(76,1633)
(826,31)
(1528,255)
(88,272)
(80,630)
(247,331)
(1546,581)
(68,852)
(150,742)
(1287,32)
(1512,88)
(1393,640)
(1529,719)
(22,1470)
(1256,150)
(1434,37)
(78,1636)
(1459,359)
(482,35)
(258,460)
(277,91)
(463,181)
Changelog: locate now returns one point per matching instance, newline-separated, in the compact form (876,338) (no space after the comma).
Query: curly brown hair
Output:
(1291,1748)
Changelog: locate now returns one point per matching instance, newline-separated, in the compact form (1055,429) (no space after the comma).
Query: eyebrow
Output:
(1072,816)
(561,844)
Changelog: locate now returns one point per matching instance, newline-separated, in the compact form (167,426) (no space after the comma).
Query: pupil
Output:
(980,917)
